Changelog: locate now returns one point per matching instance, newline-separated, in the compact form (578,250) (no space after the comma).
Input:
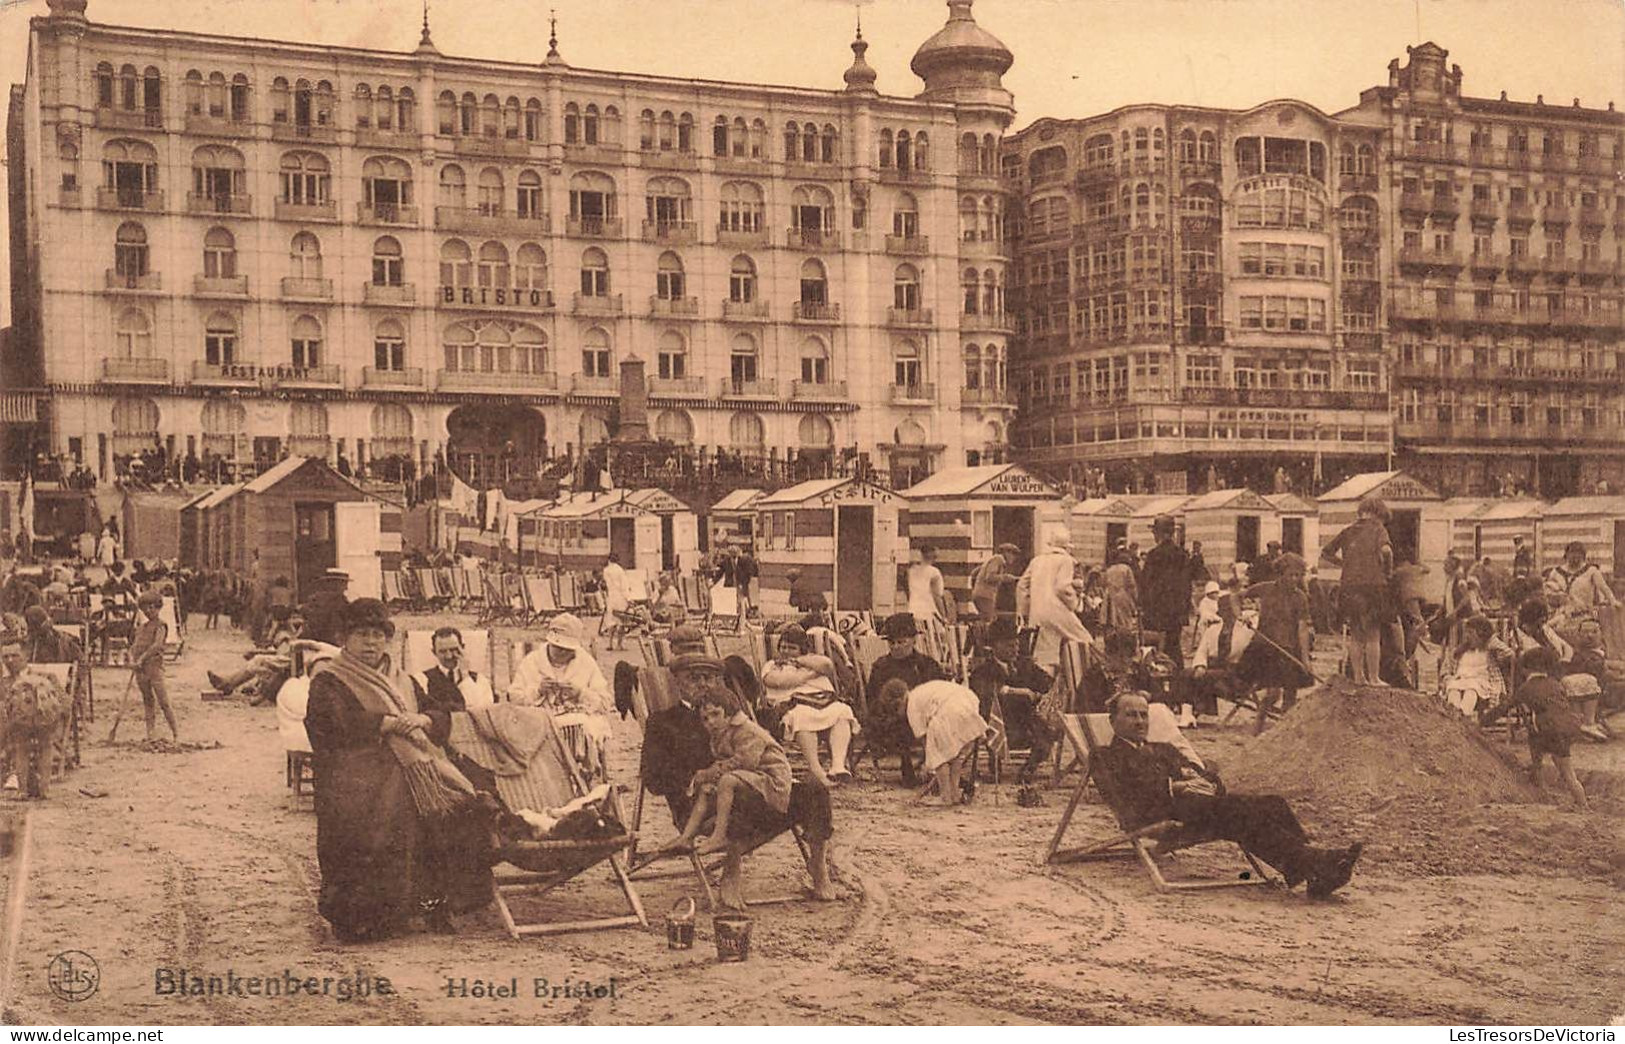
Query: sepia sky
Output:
(1073,57)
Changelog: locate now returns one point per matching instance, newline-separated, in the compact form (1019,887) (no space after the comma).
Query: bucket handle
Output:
(678,913)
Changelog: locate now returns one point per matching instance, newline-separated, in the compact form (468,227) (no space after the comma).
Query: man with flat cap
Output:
(1165,590)
(675,743)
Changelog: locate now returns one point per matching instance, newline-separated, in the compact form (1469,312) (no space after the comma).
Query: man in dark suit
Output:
(449,686)
(675,744)
(1165,590)
(1153,782)
(1018,683)
(888,733)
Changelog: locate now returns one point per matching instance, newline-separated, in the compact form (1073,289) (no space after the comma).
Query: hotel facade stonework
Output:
(249,248)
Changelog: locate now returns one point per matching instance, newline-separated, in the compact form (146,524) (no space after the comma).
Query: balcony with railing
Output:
(919,394)
(130,199)
(673,232)
(740,389)
(745,311)
(668,159)
(302,288)
(816,312)
(595,227)
(677,387)
(728,236)
(1444,205)
(374,138)
(908,245)
(1355,225)
(133,282)
(1520,213)
(393,214)
(980,323)
(1348,181)
(1432,151)
(1361,341)
(1596,268)
(595,304)
(388,294)
(1554,215)
(229,375)
(491,145)
(1523,264)
(323,133)
(1556,160)
(129,119)
(1593,217)
(287,210)
(219,203)
(1487,262)
(593,384)
(1483,210)
(908,317)
(987,397)
(218,126)
(220,286)
(674,307)
(812,239)
(496,382)
(1413,203)
(135,371)
(490,220)
(1429,257)
(408,379)
(818,391)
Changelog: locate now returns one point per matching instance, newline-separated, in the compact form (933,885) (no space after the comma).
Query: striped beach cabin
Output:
(579,531)
(731,522)
(1489,529)
(1096,524)
(1297,525)
(1148,507)
(840,533)
(1232,524)
(1598,522)
(964,513)
(1419,528)
(679,527)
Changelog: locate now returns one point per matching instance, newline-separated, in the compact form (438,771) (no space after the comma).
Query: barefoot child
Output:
(745,758)
(147,660)
(1557,726)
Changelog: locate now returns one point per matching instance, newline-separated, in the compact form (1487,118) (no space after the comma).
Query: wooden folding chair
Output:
(513,597)
(417,651)
(570,598)
(542,866)
(570,726)
(544,604)
(725,614)
(1088,733)
(391,589)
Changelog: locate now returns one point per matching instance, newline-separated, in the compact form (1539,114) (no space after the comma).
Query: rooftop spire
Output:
(425,42)
(860,78)
(553,56)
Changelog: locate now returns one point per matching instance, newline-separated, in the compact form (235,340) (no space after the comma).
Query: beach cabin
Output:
(303,518)
(1419,529)
(1598,522)
(731,522)
(679,527)
(1489,529)
(1457,511)
(1147,508)
(801,527)
(1297,525)
(1234,525)
(966,512)
(1096,524)
(151,525)
(214,527)
(579,532)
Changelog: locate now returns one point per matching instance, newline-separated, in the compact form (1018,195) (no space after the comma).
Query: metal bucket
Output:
(733,937)
(680,926)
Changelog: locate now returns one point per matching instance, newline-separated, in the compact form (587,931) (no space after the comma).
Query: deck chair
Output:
(540,867)
(445,579)
(116,630)
(391,589)
(570,726)
(417,651)
(496,608)
(513,597)
(470,589)
(570,597)
(724,614)
(1087,733)
(689,588)
(65,749)
(429,586)
(544,604)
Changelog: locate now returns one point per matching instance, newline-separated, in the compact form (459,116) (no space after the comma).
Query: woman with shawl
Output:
(394,833)
(1048,594)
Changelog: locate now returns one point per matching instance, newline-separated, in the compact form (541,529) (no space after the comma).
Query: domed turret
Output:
(961,54)
(860,78)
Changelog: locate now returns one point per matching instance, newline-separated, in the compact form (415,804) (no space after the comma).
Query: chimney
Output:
(634,419)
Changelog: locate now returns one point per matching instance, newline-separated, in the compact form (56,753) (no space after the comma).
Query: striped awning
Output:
(19,407)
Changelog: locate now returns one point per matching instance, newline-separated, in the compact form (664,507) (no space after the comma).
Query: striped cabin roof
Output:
(962,482)
(1228,499)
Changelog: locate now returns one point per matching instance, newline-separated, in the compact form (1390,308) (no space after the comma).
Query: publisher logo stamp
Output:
(74,975)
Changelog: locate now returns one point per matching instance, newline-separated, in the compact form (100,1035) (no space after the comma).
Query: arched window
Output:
(132,335)
(669,281)
(391,431)
(968,153)
(224,422)
(668,131)
(758,139)
(815,432)
(104,85)
(746,433)
(968,219)
(307,424)
(907,367)
(530,268)
(217,96)
(592,201)
(531,206)
(905,152)
(814,361)
(594,273)
(906,288)
(306,179)
(510,119)
(809,143)
(363,106)
(812,213)
(671,362)
(594,428)
(743,361)
(388,262)
(445,109)
(461,354)
(992,293)
(596,356)
(826,144)
(220,340)
(742,280)
(493,269)
(130,251)
(495,344)
(456,264)
(668,205)
(529,349)
(135,424)
(1187,145)
(129,88)
(740,138)
(973,367)
(741,207)
(152,95)
(910,433)
(218,176)
(491,192)
(468,114)
(453,187)
(572,123)
(792,142)
(193,88)
(219,254)
(814,285)
(307,343)
(1207,147)
(674,426)
(590,125)
(905,218)
(922,151)
(685,132)
(130,170)
(535,120)
(719,136)
(970,282)
(389,346)
(387,182)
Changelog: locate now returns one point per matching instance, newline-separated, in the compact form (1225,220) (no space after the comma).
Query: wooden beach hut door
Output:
(1247,538)
(1014,525)
(1292,535)
(1405,533)
(314,547)
(358,546)
(623,541)
(651,543)
(855,564)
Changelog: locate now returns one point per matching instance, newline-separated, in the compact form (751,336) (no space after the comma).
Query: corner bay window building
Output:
(249,246)
(1425,278)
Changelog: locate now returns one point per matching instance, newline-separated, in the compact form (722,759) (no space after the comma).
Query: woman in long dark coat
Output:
(399,830)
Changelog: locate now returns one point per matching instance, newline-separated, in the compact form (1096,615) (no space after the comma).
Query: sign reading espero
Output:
(496,297)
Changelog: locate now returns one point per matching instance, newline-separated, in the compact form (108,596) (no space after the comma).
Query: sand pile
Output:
(1425,790)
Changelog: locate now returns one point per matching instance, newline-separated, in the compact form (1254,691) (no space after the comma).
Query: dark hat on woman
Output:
(366,612)
(791,633)
(1003,630)
(900,625)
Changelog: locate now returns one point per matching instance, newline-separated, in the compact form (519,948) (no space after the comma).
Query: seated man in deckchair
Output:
(1153,782)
